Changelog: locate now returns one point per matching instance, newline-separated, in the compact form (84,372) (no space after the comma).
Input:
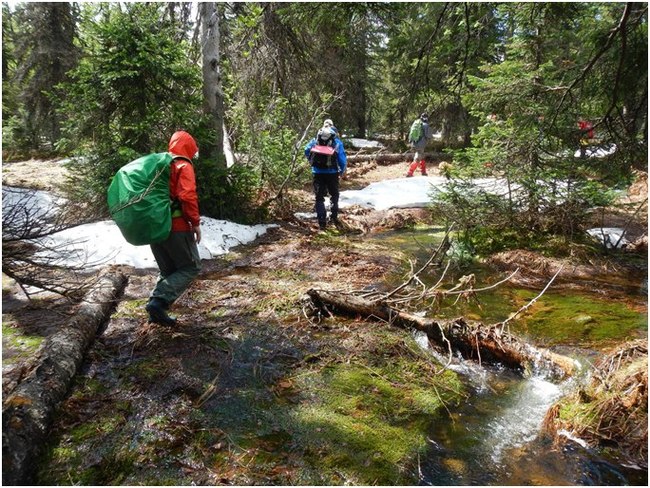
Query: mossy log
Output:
(389,158)
(473,340)
(28,411)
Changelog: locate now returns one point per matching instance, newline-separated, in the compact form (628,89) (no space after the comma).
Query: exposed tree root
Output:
(612,410)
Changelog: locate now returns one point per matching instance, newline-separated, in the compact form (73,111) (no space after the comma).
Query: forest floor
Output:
(246,390)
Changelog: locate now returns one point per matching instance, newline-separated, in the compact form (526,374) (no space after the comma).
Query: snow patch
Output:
(101,243)
(609,236)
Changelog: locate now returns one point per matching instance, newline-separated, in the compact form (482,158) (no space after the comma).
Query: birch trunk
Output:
(212,90)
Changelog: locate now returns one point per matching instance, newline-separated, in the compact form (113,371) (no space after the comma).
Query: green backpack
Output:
(417,131)
(138,199)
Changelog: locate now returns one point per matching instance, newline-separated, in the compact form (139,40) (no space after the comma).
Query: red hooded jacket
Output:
(182,182)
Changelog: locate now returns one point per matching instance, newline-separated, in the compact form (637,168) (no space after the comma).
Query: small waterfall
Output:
(504,413)
(520,423)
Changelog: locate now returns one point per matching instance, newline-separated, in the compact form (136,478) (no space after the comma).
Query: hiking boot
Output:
(424,173)
(157,312)
(322,224)
(335,221)
(409,175)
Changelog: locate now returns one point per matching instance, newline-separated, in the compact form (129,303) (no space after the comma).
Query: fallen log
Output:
(28,411)
(388,158)
(473,340)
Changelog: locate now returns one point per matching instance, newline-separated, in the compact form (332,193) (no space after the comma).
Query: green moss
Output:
(370,422)
(21,345)
(131,308)
(87,387)
(288,275)
(576,318)
(576,413)
(146,369)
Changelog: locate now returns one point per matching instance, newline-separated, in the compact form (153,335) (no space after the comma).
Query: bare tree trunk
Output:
(28,411)
(473,340)
(212,90)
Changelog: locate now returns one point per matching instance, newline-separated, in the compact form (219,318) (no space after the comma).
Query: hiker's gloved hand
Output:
(197,233)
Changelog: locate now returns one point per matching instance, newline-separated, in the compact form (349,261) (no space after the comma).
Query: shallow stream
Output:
(492,439)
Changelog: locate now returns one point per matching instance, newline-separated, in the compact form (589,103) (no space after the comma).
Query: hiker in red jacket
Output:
(586,129)
(178,256)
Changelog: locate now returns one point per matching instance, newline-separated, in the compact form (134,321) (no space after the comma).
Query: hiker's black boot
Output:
(157,308)
(322,224)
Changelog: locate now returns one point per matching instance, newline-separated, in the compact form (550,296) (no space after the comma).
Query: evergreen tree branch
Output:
(587,69)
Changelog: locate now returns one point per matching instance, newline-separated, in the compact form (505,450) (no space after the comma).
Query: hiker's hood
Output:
(182,144)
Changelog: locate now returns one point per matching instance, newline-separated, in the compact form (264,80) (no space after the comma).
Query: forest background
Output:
(505,86)
(108,82)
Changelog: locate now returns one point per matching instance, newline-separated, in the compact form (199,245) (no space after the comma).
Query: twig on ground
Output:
(529,304)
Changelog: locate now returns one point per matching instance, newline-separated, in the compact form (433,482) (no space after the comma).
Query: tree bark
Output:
(28,411)
(212,90)
(473,340)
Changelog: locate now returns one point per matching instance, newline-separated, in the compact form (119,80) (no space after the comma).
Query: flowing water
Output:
(492,439)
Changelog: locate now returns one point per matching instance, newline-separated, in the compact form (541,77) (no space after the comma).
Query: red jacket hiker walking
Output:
(178,256)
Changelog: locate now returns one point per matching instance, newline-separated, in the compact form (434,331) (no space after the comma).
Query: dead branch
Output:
(443,245)
(529,304)
(471,339)
(31,255)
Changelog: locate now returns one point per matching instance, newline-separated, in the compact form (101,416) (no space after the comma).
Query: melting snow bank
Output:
(610,237)
(101,243)
(419,191)
(416,192)
(358,143)
(398,193)
(598,152)
(220,235)
(21,207)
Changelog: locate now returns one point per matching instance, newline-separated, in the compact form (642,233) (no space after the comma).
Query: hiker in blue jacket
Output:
(328,161)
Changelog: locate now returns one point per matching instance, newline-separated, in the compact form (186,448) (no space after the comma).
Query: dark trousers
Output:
(179,263)
(325,183)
